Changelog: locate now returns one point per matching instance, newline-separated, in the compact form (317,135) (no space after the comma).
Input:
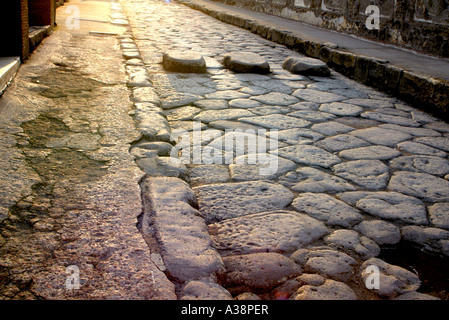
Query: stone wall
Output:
(421,25)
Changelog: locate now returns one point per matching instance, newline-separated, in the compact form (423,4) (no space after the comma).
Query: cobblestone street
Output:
(361,178)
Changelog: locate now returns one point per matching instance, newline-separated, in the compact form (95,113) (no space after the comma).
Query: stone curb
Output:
(421,91)
(185,250)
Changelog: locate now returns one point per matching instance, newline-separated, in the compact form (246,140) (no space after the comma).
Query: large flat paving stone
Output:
(388,205)
(308,179)
(276,98)
(329,290)
(229,200)
(276,231)
(382,232)
(246,62)
(341,109)
(258,272)
(341,142)
(352,242)
(309,155)
(433,165)
(380,136)
(317,96)
(369,174)
(276,121)
(327,209)
(370,153)
(421,185)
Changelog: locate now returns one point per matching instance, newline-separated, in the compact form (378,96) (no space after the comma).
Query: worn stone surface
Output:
(327,209)
(276,121)
(289,231)
(341,109)
(428,164)
(223,201)
(341,142)
(330,290)
(380,231)
(317,96)
(306,66)
(421,185)
(351,241)
(369,174)
(204,290)
(380,136)
(259,167)
(258,272)
(276,98)
(369,153)
(309,155)
(393,280)
(388,205)
(439,215)
(309,179)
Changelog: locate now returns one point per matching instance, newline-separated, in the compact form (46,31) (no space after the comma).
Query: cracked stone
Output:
(441,143)
(421,185)
(370,153)
(419,148)
(276,98)
(327,209)
(276,121)
(341,109)
(433,165)
(341,142)
(297,136)
(309,155)
(380,231)
(388,205)
(382,117)
(369,174)
(381,136)
(317,96)
(229,200)
(309,179)
(350,240)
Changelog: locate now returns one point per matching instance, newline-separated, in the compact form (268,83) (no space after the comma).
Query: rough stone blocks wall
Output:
(422,25)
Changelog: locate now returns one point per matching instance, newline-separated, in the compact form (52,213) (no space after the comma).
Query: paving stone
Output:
(380,231)
(182,113)
(312,115)
(287,230)
(439,215)
(232,125)
(309,155)
(258,272)
(177,126)
(179,61)
(433,165)
(204,290)
(341,109)
(341,142)
(393,280)
(227,95)
(351,241)
(370,103)
(200,155)
(416,296)
(441,143)
(421,185)
(225,114)
(254,90)
(276,98)
(382,117)
(244,103)
(306,66)
(305,105)
(418,132)
(174,100)
(151,123)
(438,126)
(317,96)
(246,62)
(211,104)
(266,110)
(259,167)
(247,296)
(207,174)
(186,246)
(327,209)
(237,143)
(229,200)
(297,136)
(146,94)
(370,153)
(424,236)
(309,179)
(226,84)
(311,279)
(276,121)
(419,148)
(330,263)
(330,290)
(388,205)
(274,86)
(331,128)
(357,122)
(381,136)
